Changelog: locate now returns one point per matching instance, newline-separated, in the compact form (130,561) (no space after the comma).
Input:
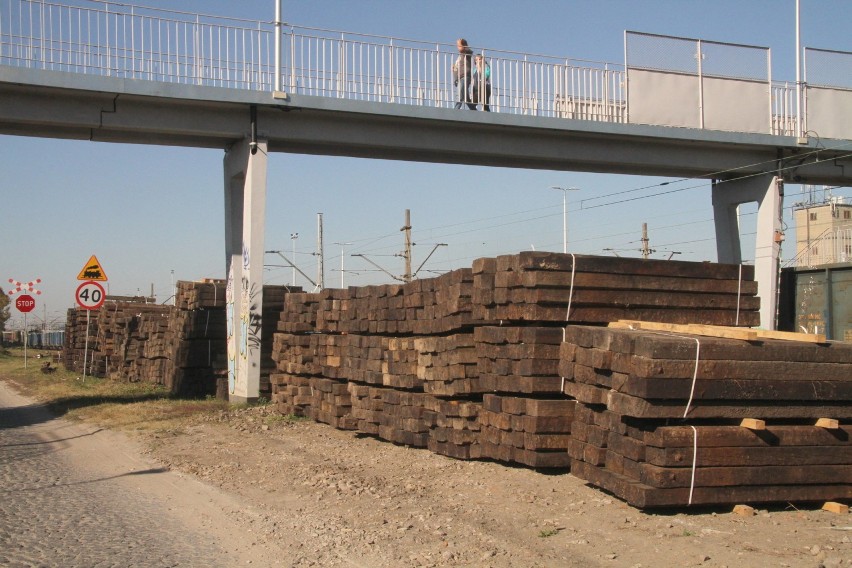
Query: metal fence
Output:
(696,57)
(825,68)
(831,247)
(358,67)
(117,40)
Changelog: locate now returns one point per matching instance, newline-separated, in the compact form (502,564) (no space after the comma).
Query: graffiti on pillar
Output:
(250,311)
(232,340)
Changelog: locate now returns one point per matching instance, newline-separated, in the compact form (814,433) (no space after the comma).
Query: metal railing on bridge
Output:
(135,42)
(734,91)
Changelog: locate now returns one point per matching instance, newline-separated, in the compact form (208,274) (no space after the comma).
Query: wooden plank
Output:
(837,508)
(720,331)
(691,329)
(791,336)
(828,423)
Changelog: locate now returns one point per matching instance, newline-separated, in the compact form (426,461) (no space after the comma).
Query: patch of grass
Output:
(106,402)
(545,533)
(273,419)
(687,532)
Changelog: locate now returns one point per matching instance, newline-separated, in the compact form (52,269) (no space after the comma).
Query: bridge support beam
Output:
(245,208)
(768,192)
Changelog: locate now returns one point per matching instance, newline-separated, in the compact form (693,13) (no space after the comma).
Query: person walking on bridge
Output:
(461,74)
(481,89)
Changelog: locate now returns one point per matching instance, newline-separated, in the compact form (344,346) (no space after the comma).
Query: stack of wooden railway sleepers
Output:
(309,379)
(205,293)
(295,365)
(457,429)
(394,415)
(447,365)
(199,333)
(674,419)
(295,357)
(420,307)
(541,287)
(299,313)
(526,418)
(81,341)
(141,352)
(530,431)
(199,350)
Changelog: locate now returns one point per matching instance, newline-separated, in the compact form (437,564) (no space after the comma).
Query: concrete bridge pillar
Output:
(245,207)
(768,192)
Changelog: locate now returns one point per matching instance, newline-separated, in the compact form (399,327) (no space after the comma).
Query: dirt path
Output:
(77,495)
(333,498)
(277,493)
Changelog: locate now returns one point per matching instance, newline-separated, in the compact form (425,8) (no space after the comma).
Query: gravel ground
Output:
(324,497)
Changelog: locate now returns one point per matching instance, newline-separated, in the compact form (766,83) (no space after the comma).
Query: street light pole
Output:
(293,237)
(565,191)
(342,270)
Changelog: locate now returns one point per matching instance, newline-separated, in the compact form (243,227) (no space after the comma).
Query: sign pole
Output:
(26,340)
(86,346)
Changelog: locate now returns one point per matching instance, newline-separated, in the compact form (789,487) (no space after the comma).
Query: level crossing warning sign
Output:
(92,270)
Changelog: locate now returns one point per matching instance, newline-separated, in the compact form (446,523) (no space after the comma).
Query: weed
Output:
(545,533)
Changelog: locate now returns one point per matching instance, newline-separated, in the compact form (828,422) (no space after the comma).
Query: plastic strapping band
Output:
(568,311)
(739,291)
(694,462)
(571,289)
(694,376)
(562,388)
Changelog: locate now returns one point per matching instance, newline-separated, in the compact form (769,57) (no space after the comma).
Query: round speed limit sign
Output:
(90,295)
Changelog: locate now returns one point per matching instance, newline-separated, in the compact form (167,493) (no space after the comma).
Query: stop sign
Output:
(25,303)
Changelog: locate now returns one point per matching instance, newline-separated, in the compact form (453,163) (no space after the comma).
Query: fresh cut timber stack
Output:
(530,431)
(541,287)
(760,421)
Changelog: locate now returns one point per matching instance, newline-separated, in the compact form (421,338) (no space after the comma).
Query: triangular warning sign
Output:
(92,271)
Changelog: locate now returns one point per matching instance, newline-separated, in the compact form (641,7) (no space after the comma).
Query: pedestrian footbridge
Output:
(674,107)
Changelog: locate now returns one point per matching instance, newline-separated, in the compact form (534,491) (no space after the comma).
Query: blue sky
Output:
(146,211)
